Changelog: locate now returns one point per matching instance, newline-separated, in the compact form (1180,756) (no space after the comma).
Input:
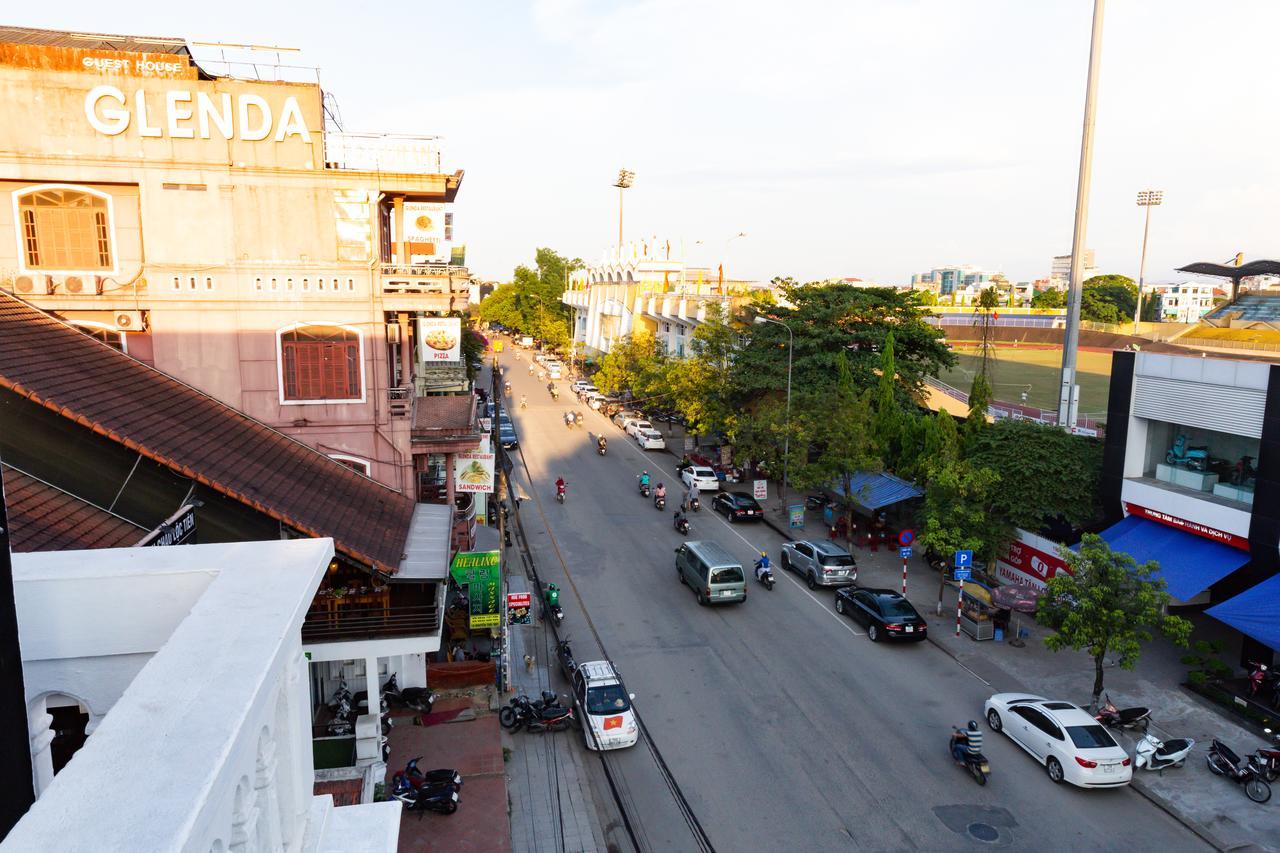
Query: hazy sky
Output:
(846,137)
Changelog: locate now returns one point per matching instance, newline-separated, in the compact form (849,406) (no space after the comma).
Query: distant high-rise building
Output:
(1060,272)
(947,280)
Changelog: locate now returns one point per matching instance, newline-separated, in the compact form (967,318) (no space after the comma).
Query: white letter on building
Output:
(205,111)
(291,121)
(247,132)
(114,120)
(140,107)
(175,114)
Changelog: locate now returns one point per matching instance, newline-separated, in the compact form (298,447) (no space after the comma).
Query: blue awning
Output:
(1189,564)
(1255,612)
(876,490)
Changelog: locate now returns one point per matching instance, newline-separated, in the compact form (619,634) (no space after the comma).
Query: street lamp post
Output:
(624,182)
(1147,199)
(786,437)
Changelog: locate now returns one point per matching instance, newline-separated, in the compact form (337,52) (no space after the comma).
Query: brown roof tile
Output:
(154,414)
(42,517)
(453,414)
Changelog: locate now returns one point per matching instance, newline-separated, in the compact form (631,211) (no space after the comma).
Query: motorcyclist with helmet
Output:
(966,742)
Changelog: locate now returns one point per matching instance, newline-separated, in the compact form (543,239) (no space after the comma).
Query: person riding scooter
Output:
(601,444)
(560,489)
(762,566)
(660,496)
(644,483)
(680,522)
(568,419)
(966,742)
(524,402)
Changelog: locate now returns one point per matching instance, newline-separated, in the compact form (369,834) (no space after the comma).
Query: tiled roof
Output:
(45,518)
(93,41)
(150,412)
(453,414)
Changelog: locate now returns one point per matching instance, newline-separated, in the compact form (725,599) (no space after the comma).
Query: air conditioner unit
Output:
(84,284)
(29,284)
(129,321)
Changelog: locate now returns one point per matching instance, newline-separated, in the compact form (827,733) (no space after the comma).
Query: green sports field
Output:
(1038,372)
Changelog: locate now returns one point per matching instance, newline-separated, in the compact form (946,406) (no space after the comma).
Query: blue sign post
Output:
(962,572)
(963,575)
(905,552)
(964,559)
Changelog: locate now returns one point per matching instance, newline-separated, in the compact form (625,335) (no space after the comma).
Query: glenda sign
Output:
(182,114)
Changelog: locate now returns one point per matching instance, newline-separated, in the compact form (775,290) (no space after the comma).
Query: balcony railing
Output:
(383,152)
(451,271)
(400,401)
(370,623)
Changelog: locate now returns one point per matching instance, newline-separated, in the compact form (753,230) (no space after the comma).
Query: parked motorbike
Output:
(420,778)
(1224,762)
(1123,718)
(977,765)
(1267,760)
(817,501)
(343,722)
(1194,458)
(1264,684)
(681,524)
(339,695)
(417,698)
(659,501)
(441,798)
(565,655)
(545,714)
(1155,754)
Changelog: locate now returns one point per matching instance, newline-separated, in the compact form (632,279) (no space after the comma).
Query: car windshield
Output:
(728,574)
(892,607)
(837,560)
(744,501)
(610,699)
(705,473)
(1090,737)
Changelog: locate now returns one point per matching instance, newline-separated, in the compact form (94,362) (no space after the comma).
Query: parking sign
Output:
(905,552)
(962,574)
(964,559)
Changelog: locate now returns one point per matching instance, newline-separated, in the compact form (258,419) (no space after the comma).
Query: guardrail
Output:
(363,623)
(383,152)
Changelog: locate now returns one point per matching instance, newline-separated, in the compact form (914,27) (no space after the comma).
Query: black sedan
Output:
(737,506)
(884,613)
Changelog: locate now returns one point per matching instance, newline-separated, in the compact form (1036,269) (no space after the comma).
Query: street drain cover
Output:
(983,831)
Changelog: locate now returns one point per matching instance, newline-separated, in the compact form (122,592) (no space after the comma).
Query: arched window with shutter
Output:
(321,363)
(65,229)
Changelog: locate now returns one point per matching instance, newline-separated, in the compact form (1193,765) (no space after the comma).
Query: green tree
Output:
(701,384)
(830,319)
(924,297)
(989,298)
(531,304)
(979,400)
(1028,455)
(840,442)
(1108,299)
(500,307)
(889,415)
(957,516)
(1050,298)
(633,364)
(1107,604)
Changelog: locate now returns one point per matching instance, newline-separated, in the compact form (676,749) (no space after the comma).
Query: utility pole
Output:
(1069,394)
(1147,199)
(624,182)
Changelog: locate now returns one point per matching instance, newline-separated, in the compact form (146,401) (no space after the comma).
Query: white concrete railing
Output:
(383,152)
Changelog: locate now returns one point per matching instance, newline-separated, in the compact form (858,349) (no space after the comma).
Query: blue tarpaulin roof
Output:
(1189,564)
(1255,612)
(876,490)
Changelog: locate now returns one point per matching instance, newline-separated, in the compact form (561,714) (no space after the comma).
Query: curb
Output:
(1200,830)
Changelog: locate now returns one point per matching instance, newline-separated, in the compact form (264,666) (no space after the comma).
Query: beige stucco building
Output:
(218,229)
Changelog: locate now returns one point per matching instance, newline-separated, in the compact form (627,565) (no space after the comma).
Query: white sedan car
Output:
(650,439)
(1070,743)
(702,477)
(633,427)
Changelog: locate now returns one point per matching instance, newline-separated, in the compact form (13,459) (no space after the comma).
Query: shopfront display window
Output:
(1202,460)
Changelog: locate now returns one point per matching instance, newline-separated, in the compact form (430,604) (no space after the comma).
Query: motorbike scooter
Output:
(441,798)
(568,666)
(764,575)
(1123,718)
(977,765)
(681,524)
(1224,762)
(551,597)
(600,447)
(417,698)
(644,490)
(659,502)
(420,778)
(1267,760)
(560,493)
(695,504)
(1155,754)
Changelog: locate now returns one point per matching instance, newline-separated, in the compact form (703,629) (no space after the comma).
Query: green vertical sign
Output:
(481,573)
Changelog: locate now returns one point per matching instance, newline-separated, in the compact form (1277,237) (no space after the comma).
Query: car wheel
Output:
(874,633)
(786,561)
(1054,768)
(702,599)
(679,575)
(811,581)
(839,604)
(994,721)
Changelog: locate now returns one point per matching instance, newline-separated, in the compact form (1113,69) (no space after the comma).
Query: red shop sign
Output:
(1195,527)
(1038,566)
(518,599)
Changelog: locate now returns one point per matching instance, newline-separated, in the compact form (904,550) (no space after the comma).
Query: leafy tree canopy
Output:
(830,319)
(531,304)
(1050,298)
(1108,605)
(1108,299)
(1027,457)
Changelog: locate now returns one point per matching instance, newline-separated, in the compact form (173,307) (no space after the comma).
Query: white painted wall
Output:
(209,727)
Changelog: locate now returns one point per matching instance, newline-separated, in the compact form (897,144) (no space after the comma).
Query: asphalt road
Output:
(782,725)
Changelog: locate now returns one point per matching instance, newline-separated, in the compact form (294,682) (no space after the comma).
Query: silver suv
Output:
(820,562)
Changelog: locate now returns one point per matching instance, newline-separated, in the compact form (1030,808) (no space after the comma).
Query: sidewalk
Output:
(1213,808)
(550,792)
